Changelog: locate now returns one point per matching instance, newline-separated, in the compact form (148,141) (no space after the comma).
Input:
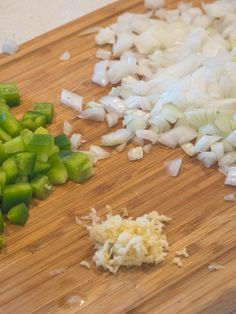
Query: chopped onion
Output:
(103,54)
(72,100)
(10,47)
(173,166)
(205,142)
(229,197)
(177,136)
(218,149)
(121,148)
(105,36)
(94,114)
(67,127)
(98,152)
(65,56)
(112,119)
(147,135)
(231,177)
(75,141)
(100,75)
(231,138)
(135,153)
(154,4)
(207,158)
(147,149)
(116,138)
(189,149)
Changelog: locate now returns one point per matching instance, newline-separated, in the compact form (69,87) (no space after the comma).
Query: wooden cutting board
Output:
(201,220)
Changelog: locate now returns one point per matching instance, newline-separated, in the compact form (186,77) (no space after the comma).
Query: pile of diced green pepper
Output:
(31,159)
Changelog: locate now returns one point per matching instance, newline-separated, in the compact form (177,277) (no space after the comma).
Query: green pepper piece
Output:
(10,93)
(1,223)
(42,145)
(26,136)
(10,124)
(37,118)
(63,142)
(18,214)
(3,154)
(79,167)
(15,194)
(22,179)
(3,105)
(25,162)
(41,130)
(4,136)
(41,187)
(15,145)
(41,167)
(45,109)
(57,174)
(11,169)
(3,178)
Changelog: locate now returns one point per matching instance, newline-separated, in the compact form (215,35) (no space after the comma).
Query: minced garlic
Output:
(129,242)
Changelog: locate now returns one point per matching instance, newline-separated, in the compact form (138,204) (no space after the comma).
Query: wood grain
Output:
(202,221)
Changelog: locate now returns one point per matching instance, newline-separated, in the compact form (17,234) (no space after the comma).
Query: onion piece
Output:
(65,56)
(189,149)
(154,4)
(173,166)
(103,54)
(218,149)
(205,142)
(112,119)
(98,152)
(116,138)
(100,75)
(147,149)
(231,138)
(148,135)
(94,114)
(207,158)
(10,47)
(135,153)
(177,136)
(231,177)
(121,148)
(67,127)
(229,197)
(105,36)
(75,141)
(72,100)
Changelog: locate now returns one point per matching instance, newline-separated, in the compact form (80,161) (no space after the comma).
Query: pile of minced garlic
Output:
(121,241)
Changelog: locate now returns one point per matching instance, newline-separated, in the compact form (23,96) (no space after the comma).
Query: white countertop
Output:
(23,20)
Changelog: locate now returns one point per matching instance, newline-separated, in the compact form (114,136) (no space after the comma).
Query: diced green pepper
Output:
(18,214)
(57,174)
(3,154)
(1,223)
(42,145)
(41,187)
(45,109)
(15,145)
(3,105)
(79,167)
(26,136)
(4,136)
(63,142)
(25,162)
(33,120)
(3,178)
(10,124)
(11,169)
(22,179)
(41,130)
(15,194)
(41,167)
(10,93)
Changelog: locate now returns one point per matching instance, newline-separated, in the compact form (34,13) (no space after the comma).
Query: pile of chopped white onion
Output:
(174,73)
